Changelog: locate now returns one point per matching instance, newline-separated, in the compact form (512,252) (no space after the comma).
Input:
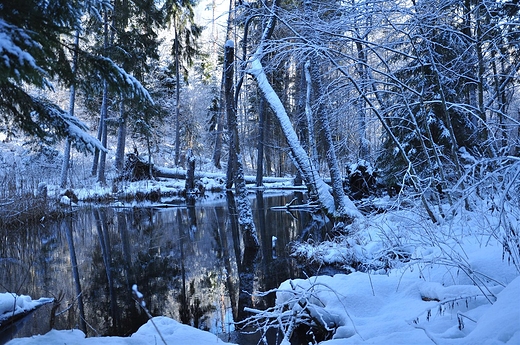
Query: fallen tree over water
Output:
(137,168)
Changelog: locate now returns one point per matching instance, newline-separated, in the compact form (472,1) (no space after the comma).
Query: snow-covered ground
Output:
(170,332)
(423,283)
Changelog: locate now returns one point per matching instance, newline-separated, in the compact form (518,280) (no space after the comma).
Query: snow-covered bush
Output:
(450,272)
(299,308)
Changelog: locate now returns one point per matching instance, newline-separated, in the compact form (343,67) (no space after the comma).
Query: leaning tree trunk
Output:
(300,157)
(245,214)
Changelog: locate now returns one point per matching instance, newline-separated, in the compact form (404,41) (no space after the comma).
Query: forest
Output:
(419,96)
(373,107)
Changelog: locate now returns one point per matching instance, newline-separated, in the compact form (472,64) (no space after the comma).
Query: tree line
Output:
(104,51)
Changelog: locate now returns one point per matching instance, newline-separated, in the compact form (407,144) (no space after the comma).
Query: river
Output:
(187,260)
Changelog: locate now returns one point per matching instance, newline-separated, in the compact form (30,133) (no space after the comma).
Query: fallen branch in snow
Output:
(14,308)
(296,307)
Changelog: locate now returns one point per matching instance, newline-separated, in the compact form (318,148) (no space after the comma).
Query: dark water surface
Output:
(188,261)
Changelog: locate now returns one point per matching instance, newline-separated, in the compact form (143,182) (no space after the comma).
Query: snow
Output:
(453,287)
(456,287)
(299,154)
(392,315)
(230,44)
(8,33)
(172,332)
(12,304)
(138,295)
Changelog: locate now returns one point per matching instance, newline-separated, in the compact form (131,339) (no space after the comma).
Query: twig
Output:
(139,298)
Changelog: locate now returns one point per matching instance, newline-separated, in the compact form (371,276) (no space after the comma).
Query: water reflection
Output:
(188,260)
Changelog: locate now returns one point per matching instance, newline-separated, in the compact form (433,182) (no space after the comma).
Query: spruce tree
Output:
(33,54)
(36,52)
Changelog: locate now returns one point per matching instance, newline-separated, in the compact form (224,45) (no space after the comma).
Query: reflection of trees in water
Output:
(227,282)
(189,262)
(106,251)
(130,251)
(191,310)
(67,225)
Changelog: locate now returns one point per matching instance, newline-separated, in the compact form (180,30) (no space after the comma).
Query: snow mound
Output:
(172,331)
(399,309)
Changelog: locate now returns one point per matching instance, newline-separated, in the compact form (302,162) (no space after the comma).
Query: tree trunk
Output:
(260,152)
(65,164)
(102,120)
(100,157)
(121,139)
(245,214)
(317,187)
(72,101)
(190,172)
(95,164)
(217,152)
(362,124)
(341,201)
(177,97)
(313,150)
(95,161)
(315,183)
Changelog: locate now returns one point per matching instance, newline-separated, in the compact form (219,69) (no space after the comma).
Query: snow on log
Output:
(14,308)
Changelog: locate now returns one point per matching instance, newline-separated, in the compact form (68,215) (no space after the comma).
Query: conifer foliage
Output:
(33,53)
(36,51)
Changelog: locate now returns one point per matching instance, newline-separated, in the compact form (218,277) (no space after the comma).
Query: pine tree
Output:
(130,40)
